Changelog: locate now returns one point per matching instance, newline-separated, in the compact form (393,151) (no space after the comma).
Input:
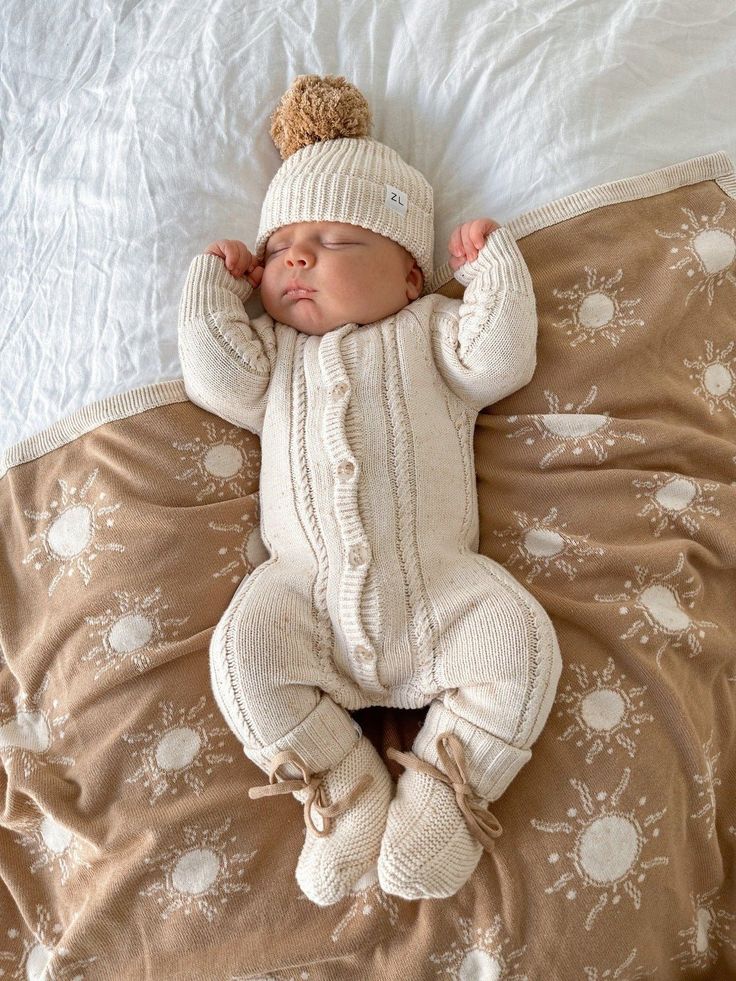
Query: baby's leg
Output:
(263,671)
(500,665)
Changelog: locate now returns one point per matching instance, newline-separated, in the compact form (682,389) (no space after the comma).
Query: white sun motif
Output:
(662,609)
(249,552)
(56,848)
(480,955)
(602,710)
(132,633)
(708,781)
(702,941)
(596,309)
(366,898)
(607,850)
(716,377)
(69,540)
(573,430)
(28,733)
(228,461)
(541,546)
(42,958)
(673,499)
(200,877)
(709,251)
(620,973)
(182,749)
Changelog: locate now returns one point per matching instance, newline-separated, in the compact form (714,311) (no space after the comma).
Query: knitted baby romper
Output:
(374,593)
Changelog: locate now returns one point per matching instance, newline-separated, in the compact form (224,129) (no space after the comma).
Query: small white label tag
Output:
(396,200)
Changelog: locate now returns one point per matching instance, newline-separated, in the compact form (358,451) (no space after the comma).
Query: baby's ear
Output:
(414,282)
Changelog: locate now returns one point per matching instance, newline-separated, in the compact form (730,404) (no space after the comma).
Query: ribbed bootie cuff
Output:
(491,763)
(320,740)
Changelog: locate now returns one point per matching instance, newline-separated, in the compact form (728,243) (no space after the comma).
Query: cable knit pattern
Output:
(322,626)
(374,593)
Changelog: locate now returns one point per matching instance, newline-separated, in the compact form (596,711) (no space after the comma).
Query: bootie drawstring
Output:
(482,824)
(311,782)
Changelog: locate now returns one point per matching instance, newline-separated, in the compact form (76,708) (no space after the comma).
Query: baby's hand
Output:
(238,259)
(468,239)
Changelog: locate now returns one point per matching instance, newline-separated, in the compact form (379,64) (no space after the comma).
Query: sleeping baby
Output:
(364,388)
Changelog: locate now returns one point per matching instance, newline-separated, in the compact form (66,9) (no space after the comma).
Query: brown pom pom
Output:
(316,108)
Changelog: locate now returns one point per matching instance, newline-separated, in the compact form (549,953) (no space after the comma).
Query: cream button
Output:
(364,653)
(359,555)
(339,390)
(346,469)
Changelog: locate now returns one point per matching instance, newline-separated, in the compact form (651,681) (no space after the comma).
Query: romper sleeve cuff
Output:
(501,260)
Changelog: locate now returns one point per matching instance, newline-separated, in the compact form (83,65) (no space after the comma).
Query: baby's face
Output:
(354,275)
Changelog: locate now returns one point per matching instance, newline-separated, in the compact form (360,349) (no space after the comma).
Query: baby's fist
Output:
(238,259)
(468,239)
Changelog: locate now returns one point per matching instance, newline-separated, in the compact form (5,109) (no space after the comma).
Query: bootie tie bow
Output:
(312,783)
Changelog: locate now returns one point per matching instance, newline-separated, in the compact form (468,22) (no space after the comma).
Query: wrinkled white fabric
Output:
(133,134)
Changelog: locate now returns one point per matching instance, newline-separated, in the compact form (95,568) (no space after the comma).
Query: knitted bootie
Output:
(431,846)
(345,811)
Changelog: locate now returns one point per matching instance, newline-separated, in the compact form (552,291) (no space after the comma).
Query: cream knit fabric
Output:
(373,593)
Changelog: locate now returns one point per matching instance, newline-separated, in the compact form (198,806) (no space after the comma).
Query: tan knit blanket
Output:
(128,846)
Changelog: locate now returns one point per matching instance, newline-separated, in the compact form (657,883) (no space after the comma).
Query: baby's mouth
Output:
(297,290)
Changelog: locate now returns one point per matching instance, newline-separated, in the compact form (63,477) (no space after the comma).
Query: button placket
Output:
(355,551)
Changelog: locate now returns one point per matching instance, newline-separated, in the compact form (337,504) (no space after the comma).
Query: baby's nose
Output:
(300,259)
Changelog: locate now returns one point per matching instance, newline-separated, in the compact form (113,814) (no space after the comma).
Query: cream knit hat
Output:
(334,171)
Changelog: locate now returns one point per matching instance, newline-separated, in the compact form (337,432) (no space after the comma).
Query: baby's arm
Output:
(487,350)
(226,360)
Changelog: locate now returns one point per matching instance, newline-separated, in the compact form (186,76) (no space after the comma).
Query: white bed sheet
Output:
(135,133)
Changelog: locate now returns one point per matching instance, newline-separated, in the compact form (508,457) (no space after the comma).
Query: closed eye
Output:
(273,252)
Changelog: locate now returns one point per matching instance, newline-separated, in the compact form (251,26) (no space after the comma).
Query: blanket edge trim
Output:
(711,166)
(89,417)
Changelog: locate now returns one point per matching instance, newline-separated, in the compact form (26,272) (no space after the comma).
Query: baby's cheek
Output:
(268,292)
(270,301)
